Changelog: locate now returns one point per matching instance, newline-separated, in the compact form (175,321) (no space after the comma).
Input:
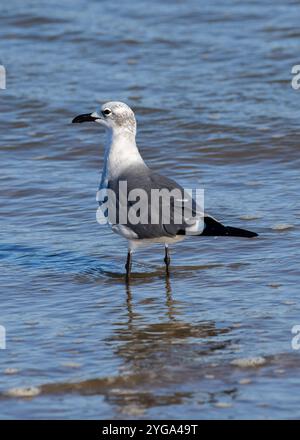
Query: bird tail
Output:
(214,228)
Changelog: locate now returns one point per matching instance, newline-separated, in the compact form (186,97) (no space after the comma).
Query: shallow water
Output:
(210,85)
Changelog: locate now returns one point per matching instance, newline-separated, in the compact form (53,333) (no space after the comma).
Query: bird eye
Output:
(106,112)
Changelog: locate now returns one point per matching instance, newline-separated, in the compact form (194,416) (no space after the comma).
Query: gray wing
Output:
(164,215)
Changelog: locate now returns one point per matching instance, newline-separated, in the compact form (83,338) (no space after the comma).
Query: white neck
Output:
(120,152)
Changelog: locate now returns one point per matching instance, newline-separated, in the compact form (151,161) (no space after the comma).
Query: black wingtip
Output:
(238,232)
(215,228)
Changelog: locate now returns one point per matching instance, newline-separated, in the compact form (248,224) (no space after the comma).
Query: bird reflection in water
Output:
(170,304)
(158,355)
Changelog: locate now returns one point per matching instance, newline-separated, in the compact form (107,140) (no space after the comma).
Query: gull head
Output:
(114,116)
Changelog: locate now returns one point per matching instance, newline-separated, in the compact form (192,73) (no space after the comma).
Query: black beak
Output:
(87,117)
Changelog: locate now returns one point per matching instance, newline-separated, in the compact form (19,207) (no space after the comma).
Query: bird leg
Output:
(128,264)
(167,258)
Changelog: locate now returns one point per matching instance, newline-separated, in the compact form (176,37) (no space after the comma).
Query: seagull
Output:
(124,163)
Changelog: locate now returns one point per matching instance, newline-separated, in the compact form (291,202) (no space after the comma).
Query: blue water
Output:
(211,88)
